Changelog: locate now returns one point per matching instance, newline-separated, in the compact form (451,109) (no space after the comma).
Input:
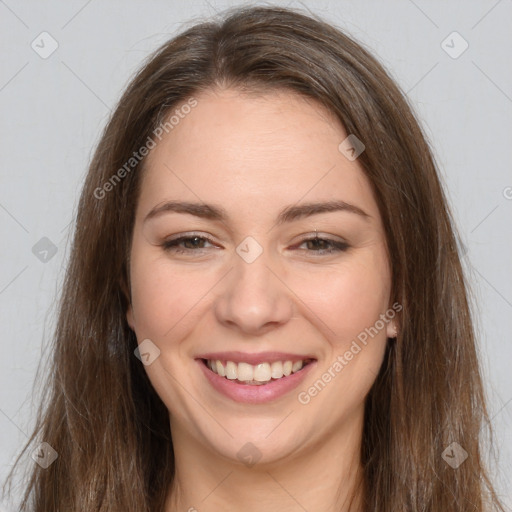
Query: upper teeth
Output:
(262,372)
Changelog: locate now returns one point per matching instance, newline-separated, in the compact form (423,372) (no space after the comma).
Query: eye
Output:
(324,245)
(186,244)
(196,243)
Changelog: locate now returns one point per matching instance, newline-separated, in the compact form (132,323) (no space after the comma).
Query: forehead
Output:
(269,149)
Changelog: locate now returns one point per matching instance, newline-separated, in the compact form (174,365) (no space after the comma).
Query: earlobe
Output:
(129,317)
(392,329)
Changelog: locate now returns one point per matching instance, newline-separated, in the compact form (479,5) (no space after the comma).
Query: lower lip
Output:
(256,394)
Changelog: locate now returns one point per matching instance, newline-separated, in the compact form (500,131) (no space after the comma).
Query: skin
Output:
(255,155)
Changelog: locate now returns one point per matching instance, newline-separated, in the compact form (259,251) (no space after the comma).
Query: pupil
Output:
(194,241)
(317,243)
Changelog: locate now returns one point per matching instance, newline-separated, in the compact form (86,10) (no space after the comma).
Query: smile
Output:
(255,375)
(254,378)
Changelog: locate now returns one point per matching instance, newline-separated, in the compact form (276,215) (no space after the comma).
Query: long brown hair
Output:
(101,414)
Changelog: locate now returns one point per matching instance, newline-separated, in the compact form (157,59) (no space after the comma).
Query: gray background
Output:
(53,110)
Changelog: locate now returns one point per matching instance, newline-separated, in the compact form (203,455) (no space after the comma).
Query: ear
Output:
(393,315)
(391,329)
(129,317)
(129,310)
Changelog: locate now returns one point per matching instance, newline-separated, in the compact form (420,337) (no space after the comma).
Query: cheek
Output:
(163,296)
(348,298)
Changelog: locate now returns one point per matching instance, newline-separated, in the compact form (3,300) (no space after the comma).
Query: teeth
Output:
(261,373)
(231,370)
(276,369)
(296,366)
(245,371)
(220,368)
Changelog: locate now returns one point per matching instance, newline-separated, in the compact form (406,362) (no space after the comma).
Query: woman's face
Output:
(244,178)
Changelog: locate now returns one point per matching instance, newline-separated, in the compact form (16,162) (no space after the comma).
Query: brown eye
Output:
(324,245)
(186,244)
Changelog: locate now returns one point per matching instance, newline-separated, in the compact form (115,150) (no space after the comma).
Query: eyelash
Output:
(173,245)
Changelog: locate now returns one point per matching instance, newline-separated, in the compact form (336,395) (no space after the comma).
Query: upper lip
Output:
(255,358)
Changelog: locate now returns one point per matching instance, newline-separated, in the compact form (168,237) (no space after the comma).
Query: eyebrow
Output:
(288,214)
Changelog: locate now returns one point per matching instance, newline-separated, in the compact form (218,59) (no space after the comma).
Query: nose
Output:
(254,298)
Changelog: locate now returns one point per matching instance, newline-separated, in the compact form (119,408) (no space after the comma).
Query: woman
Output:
(264,307)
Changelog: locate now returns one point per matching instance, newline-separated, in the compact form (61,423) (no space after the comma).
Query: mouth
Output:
(261,374)
(255,378)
